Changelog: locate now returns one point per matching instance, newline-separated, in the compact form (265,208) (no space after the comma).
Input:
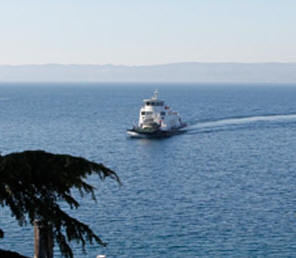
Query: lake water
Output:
(226,187)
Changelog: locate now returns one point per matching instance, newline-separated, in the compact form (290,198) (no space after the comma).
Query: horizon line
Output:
(147,65)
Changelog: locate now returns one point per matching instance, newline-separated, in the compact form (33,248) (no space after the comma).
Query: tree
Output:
(34,182)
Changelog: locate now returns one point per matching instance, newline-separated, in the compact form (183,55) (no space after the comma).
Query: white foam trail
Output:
(244,120)
(4,99)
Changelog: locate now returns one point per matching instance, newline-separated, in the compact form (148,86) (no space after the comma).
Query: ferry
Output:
(156,119)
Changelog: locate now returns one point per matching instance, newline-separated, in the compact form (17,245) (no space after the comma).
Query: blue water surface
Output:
(226,187)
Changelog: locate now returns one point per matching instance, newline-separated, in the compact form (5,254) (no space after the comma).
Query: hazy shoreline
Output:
(176,72)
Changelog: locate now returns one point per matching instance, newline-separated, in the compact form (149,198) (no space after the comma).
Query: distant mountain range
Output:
(176,72)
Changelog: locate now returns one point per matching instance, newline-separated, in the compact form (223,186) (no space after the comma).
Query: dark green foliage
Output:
(32,184)
(9,254)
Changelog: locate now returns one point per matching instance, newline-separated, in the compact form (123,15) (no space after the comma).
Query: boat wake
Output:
(238,122)
(4,99)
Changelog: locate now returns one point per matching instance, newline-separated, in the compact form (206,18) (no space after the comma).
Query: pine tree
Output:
(33,183)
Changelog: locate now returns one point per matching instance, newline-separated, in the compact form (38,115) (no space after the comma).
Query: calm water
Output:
(226,187)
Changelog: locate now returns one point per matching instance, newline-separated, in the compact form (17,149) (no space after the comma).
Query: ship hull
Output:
(139,133)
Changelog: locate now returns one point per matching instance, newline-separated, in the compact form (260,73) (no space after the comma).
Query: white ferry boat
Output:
(156,120)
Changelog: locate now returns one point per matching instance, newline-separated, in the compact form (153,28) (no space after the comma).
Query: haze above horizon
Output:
(146,33)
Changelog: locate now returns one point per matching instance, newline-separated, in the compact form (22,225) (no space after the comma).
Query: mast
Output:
(155,96)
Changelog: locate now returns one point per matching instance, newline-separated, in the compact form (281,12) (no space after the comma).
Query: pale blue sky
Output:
(139,32)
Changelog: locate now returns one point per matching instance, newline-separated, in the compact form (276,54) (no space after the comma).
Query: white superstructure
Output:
(156,117)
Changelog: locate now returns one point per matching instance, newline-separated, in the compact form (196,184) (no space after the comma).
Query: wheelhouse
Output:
(154,103)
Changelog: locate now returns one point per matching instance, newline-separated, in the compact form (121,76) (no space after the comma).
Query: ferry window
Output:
(162,113)
(147,103)
(143,113)
(152,103)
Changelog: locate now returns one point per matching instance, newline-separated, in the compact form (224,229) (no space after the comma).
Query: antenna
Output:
(155,94)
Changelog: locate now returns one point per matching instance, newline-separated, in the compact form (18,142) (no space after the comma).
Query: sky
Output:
(146,32)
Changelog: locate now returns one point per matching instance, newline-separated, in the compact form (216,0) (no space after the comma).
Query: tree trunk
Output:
(43,240)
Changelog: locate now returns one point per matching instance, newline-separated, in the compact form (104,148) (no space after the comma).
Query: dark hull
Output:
(152,134)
